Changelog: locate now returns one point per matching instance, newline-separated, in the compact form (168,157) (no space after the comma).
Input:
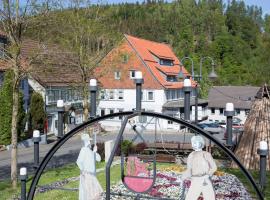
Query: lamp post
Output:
(36,140)
(212,76)
(263,152)
(93,97)
(229,112)
(187,90)
(61,110)
(138,81)
(23,178)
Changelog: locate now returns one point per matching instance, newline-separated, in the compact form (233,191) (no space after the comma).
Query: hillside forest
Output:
(235,35)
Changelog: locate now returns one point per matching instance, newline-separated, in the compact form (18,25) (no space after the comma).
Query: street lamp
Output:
(263,152)
(212,76)
(181,74)
(187,89)
(93,97)
(61,111)
(138,81)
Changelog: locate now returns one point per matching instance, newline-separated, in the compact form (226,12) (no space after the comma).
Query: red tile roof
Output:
(144,56)
(147,50)
(113,62)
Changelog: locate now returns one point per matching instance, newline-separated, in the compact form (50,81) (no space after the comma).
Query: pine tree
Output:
(37,112)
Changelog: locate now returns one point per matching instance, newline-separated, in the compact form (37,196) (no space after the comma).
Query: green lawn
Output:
(54,175)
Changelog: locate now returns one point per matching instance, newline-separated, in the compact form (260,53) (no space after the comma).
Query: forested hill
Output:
(235,35)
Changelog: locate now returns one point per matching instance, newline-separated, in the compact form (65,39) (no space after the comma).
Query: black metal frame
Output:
(121,132)
(60,142)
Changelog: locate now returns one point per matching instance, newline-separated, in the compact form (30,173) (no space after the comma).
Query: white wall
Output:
(221,117)
(129,103)
(37,87)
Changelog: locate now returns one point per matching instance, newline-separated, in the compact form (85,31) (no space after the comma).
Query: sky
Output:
(265,4)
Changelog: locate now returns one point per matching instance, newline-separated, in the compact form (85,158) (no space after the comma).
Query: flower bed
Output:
(169,185)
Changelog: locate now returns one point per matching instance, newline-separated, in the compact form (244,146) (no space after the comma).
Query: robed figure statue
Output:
(89,189)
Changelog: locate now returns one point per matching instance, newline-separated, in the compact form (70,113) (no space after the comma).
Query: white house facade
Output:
(162,90)
(241,96)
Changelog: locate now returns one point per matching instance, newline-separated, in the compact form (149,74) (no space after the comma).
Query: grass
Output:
(72,170)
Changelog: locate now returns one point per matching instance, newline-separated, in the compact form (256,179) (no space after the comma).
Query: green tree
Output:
(6,109)
(37,112)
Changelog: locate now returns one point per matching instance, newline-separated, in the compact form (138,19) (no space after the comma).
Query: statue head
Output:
(197,143)
(86,139)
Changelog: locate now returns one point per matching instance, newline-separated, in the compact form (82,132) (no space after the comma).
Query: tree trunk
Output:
(85,102)
(14,136)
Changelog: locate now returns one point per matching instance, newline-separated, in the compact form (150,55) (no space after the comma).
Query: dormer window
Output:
(171,78)
(166,62)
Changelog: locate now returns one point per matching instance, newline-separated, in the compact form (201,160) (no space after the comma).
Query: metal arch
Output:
(219,144)
(52,151)
(60,142)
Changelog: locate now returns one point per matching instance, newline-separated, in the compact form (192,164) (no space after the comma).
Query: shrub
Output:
(37,112)
(6,104)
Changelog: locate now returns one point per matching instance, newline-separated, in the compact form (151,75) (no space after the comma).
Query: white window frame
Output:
(102,94)
(153,95)
(111,92)
(131,74)
(101,109)
(120,97)
(111,109)
(117,75)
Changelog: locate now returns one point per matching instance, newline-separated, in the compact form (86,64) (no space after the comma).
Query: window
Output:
(171,78)
(75,95)
(166,62)
(117,75)
(212,111)
(151,96)
(111,94)
(102,111)
(111,110)
(237,111)
(132,74)
(69,95)
(53,95)
(120,110)
(221,111)
(102,94)
(120,94)
(247,112)
(173,94)
(125,58)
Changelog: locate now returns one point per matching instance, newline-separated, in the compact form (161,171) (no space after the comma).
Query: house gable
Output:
(123,59)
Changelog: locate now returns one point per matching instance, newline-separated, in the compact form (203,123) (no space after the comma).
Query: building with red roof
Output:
(162,89)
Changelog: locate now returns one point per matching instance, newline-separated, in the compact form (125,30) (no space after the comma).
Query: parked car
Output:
(213,128)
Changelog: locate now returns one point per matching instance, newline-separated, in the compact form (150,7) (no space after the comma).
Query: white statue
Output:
(89,189)
(200,167)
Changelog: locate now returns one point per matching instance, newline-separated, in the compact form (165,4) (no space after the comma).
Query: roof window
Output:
(166,62)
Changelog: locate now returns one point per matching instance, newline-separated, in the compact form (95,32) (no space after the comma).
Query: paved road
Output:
(68,153)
